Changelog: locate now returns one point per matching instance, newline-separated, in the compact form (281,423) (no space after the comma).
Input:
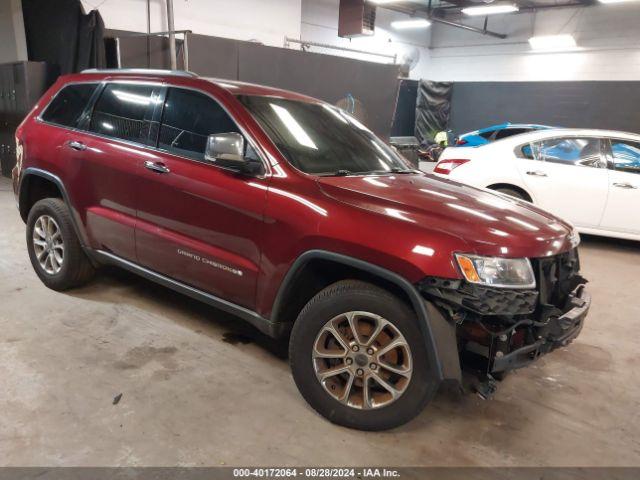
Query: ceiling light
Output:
(490,10)
(381,2)
(553,42)
(408,24)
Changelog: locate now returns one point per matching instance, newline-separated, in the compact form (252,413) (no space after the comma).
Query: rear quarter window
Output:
(524,151)
(67,106)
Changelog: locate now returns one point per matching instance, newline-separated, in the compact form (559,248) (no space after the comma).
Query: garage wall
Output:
(269,22)
(320,24)
(604,105)
(265,21)
(371,88)
(608,37)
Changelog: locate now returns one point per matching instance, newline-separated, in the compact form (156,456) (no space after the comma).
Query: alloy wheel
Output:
(48,244)
(362,360)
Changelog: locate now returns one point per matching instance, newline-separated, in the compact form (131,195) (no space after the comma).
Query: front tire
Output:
(359,359)
(54,249)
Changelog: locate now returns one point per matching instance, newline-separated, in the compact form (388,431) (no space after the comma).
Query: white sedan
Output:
(589,177)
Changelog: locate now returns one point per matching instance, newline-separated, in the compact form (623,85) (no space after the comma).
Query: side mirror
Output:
(228,150)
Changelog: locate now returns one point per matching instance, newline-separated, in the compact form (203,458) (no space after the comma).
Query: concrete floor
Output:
(199,388)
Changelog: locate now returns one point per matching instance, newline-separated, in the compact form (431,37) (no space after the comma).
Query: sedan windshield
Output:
(322,140)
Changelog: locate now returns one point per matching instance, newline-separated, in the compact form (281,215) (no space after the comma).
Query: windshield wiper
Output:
(337,173)
(404,170)
(344,172)
(401,171)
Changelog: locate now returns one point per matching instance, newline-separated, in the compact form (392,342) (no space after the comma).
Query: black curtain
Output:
(59,33)
(404,119)
(432,108)
(91,48)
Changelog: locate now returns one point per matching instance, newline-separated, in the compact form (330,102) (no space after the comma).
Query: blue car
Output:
(495,132)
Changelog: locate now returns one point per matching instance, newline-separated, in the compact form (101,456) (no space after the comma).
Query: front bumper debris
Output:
(498,330)
(558,332)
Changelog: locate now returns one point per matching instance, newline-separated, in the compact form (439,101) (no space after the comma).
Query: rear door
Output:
(198,223)
(567,176)
(624,187)
(106,154)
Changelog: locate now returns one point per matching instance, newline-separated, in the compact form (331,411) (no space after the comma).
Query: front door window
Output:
(189,118)
(626,156)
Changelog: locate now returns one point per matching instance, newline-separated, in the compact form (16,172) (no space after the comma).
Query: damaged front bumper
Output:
(558,332)
(497,330)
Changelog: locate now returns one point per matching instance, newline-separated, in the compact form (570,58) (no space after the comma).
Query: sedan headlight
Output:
(497,271)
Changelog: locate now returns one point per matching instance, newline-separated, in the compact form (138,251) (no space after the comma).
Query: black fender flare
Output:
(38,172)
(438,333)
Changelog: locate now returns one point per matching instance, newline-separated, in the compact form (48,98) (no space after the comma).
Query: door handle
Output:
(537,173)
(77,145)
(156,167)
(628,186)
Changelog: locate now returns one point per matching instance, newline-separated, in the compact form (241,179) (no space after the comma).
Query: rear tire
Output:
(341,398)
(54,249)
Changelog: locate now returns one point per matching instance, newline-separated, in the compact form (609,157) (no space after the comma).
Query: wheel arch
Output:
(512,186)
(36,184)
(299,286)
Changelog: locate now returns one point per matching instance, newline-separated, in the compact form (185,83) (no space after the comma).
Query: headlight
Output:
(574,238)
(497,271)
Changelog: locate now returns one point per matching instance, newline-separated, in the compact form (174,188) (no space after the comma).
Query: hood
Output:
(490,223)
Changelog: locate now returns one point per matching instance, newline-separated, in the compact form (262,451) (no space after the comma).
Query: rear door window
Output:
(67,106)
(124,111)
(189,117)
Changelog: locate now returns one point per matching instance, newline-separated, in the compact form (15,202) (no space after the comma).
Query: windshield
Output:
(322,140)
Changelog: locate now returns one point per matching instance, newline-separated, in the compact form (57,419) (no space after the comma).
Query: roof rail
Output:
(141,71)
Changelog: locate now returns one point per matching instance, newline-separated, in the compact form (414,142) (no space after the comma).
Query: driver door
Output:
(198,223)
(568,177)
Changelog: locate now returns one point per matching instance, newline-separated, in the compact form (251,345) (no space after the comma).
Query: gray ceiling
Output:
(454,6)
(449,12)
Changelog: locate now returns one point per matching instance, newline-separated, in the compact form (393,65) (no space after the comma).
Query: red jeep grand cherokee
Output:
(291,214)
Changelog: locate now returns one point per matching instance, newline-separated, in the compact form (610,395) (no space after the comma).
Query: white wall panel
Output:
(265,21)
(608,38)
(13,45)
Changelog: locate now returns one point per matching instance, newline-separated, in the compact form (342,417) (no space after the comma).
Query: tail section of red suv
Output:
(290,214)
